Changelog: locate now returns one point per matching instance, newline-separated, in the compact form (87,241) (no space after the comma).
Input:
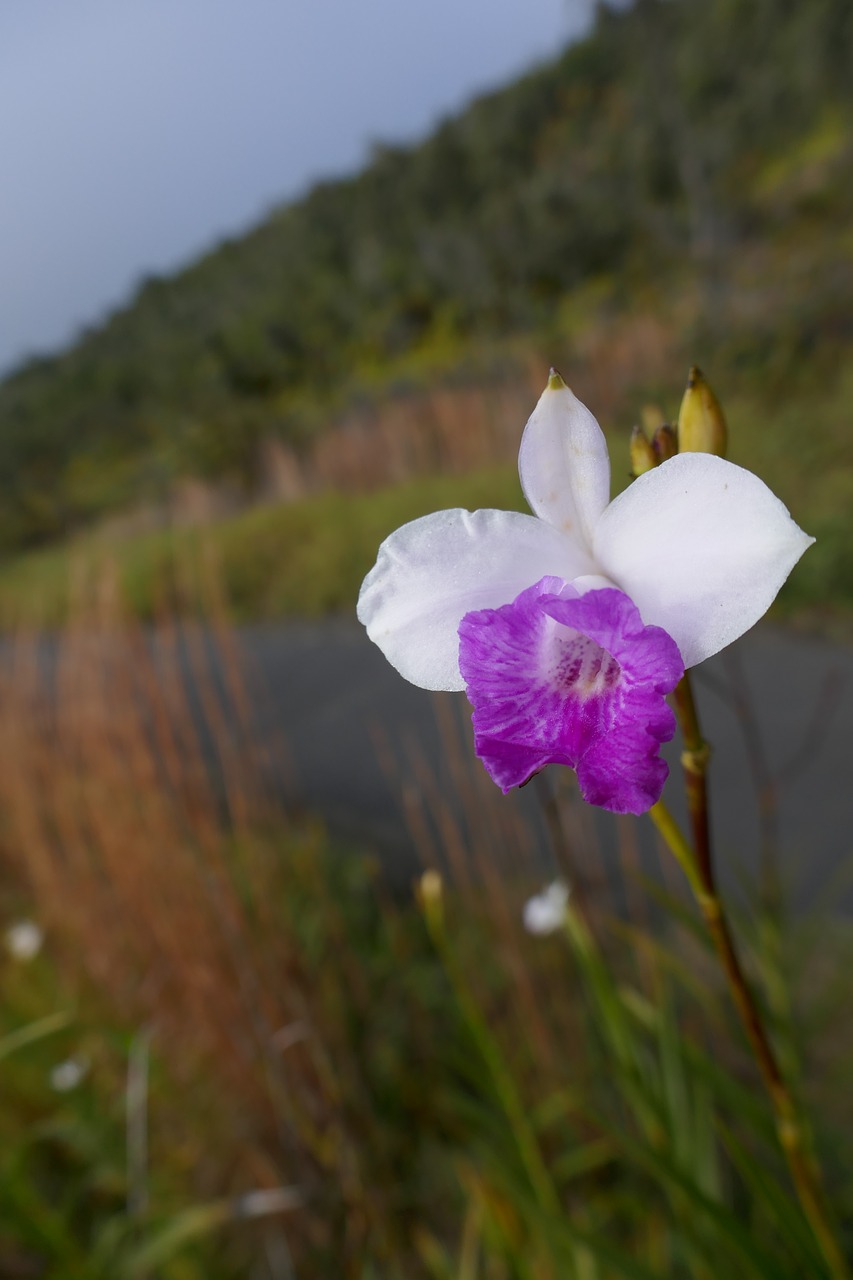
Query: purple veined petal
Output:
(431,572)
(563,463)
(547,689)
(646,654)
(702,547)
(624,772)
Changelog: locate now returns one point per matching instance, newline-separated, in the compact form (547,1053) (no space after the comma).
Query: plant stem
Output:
(493,1060)
(697,863)
(694,761)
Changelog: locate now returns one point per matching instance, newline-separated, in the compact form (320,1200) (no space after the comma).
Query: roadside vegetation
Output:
(238,1053)
(228,1047)
(307,556)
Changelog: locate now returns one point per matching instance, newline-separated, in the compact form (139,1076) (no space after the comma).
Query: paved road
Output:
(390,767)
(379,759)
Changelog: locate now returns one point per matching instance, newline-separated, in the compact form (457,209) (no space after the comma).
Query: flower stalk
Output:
(694,762)
(697,863)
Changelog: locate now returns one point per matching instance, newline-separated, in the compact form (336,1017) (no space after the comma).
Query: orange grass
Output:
(134,808)
(134,813)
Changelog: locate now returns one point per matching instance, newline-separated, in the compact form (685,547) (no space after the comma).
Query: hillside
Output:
(688,160)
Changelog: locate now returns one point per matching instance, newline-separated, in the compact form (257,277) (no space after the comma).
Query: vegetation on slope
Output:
(307,558)
(680,148)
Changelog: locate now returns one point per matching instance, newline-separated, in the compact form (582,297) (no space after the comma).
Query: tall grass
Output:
(136,821)
(293,1074)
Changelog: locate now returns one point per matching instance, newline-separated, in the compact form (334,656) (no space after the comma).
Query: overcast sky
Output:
(136,133)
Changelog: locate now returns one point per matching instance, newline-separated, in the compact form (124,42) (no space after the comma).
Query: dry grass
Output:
(135,816)
(301,1048)
(134,812)
(451,430)
(458,426)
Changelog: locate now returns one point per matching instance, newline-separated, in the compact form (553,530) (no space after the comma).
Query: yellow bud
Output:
(665,442)
(643,456)
(430,891)
(701,422)
(652,417)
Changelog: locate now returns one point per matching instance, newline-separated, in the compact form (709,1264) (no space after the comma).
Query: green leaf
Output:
(33,1032)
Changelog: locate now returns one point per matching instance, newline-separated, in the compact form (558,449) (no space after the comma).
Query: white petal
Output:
(591,582)
(430,573)
(701,547)
(563,463)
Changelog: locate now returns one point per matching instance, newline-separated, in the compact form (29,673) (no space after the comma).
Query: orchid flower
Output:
(568,627)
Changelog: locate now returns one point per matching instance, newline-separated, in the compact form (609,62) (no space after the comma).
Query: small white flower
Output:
(67,1075)
(546,912)
(24,940)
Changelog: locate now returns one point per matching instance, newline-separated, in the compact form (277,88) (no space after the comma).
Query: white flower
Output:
(67,1075)
(24,940)
(699,545)
(546,912)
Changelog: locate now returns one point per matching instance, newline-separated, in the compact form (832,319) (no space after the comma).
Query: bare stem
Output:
(697,864)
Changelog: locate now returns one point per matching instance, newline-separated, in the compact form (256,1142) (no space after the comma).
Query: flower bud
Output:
(652,417)
(430,892)
(701,423)
(643,456)
(665,442)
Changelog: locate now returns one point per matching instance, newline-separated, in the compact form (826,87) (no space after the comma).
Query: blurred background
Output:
(277,277)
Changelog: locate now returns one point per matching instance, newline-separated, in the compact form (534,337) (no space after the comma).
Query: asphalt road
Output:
(388,766)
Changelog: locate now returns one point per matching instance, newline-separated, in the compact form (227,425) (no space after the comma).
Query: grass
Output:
(336,1082)
(288,1072)
(307,557)
(304,558)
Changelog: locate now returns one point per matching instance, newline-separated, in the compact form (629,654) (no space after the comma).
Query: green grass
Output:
(640,1154)
(799,444)
(307,558)
(300,559)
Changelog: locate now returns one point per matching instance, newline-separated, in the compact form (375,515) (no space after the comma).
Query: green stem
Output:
(492,1058)
(697,863)
(694,761)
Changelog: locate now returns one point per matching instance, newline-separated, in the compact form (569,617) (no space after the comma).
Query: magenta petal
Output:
(558,678)
(624,772)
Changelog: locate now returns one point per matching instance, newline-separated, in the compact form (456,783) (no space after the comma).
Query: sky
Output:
(135,134)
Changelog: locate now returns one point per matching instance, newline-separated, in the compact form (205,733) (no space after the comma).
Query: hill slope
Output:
(680,141)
